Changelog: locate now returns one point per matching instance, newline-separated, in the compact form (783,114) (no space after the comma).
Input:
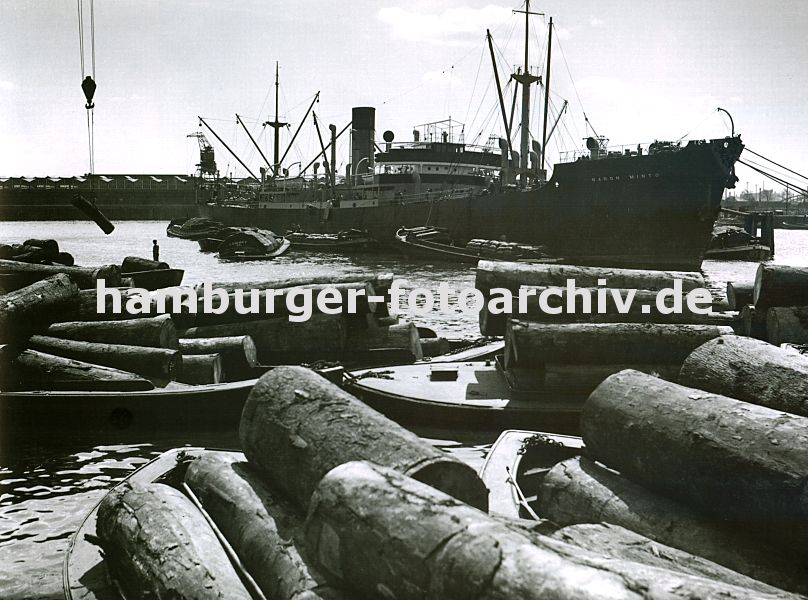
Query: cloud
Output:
(453,26)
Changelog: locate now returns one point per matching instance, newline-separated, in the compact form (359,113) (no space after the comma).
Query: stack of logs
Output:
(565,356)
(333,500)
(55,337)
(714,465)
(775,307)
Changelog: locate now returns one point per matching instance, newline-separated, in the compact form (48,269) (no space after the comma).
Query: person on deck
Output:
(155,251)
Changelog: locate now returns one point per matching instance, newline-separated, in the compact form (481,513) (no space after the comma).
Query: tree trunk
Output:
(533,344)
(85,277)
(322,336)
(162,547)
(278,304)
(513,275)
(739,294)
(622,544)
(780,285)
(580,380)
(33,370)
(496,324)
(133,264)
(296,426)
(264,531)
(238,353)
(434,346)
(787,324)
(581,491)
(156,332)
(380,281)
(32,308)
(147,362)
(202,369)
(750,370)
(371,528)
(732,458)
(50,247)
(754,322)
(65,258)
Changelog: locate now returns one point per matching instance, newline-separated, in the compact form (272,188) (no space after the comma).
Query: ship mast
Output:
(526,80)
(547,94)
(276,125)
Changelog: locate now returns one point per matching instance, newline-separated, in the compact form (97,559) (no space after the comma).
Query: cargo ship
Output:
(650,206)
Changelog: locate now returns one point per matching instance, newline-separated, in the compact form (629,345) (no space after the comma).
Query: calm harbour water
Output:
(48,485)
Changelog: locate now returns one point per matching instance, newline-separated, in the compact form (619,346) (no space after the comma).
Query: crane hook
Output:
(88,87)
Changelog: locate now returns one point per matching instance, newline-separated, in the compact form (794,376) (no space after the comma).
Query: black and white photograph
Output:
(435,300)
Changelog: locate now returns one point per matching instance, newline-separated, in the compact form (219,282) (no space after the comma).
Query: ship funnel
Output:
(363,133)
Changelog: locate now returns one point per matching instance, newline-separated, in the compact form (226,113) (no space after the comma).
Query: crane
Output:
(207,161)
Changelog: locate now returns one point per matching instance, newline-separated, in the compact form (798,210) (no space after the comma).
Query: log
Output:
(380,281)
(402,335)
(739,294)
(144,361)
(278,306)
(750,370)
(32,308)
(533,344)
(322,336)
(156,332)
(620,543)
(50,247)
(754,322)
(264,531)
(87,307)
(580,491)
(581,379)
(238,353)
(725,456)
(202,369)
(64,258)
(33,370)
(435,346)
(162,547)
(787,324)
(780,285)
(85,277)
(512,275)
(370,528)
(296,426)
(133,264)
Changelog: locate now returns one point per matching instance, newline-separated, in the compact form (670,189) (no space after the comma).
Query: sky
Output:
(639,69)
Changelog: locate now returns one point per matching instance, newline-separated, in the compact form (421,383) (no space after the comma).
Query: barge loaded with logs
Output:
(644,206)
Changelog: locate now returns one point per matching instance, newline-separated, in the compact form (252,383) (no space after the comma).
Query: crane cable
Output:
(88,84)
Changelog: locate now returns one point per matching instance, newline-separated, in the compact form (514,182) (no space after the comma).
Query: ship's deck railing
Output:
(620,150)
(427,144)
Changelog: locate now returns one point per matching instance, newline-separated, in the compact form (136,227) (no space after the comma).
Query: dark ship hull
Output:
(643,211)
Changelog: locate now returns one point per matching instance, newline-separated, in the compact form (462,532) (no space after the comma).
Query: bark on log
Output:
(787,324)
(87,307)
(739,294)
(435,346)
(264,531)
(296,426)
(620,543)
(322,336)
(729,457)
(133,264)
(750,370)
(64,258)
(373,529)
(162,547)
(512,275)
(238,353)
(580,491)
(380,281)
(533,344)
(754,322)
(202,369)
(148,362)
(85,277)
(33,308)
(156,332)
(33,370)
(780,285)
